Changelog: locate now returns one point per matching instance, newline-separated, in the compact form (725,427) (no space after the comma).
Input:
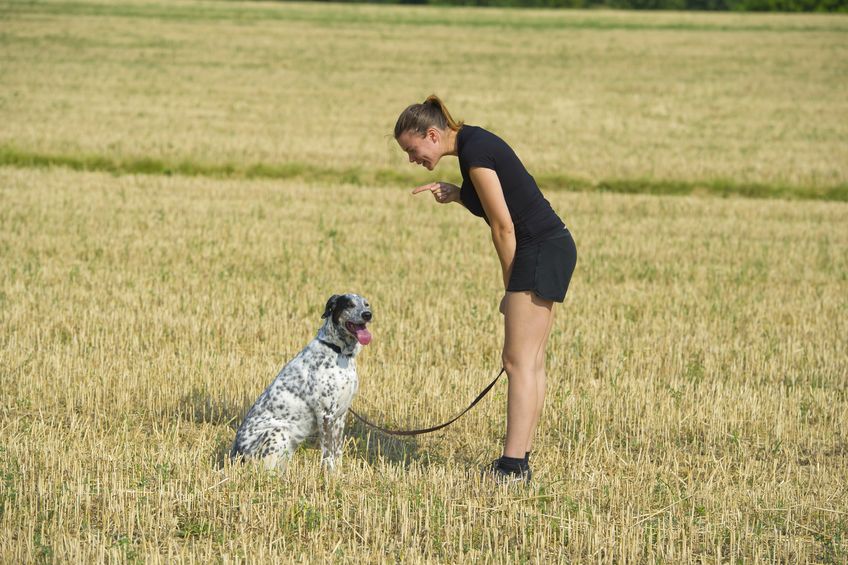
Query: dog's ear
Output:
(331,304)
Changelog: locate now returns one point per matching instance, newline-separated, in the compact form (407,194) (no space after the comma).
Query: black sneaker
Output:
(505,476)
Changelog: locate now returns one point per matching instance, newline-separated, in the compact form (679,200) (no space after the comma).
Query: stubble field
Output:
(697,371)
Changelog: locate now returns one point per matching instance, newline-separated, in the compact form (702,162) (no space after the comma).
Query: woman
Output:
(536,252)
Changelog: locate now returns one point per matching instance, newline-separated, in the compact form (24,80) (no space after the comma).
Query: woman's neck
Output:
(450,142)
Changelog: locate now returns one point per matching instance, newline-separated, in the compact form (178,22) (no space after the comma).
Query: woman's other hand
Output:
(443,192)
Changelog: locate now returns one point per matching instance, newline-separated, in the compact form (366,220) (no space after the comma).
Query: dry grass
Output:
(591,96)
(696,410)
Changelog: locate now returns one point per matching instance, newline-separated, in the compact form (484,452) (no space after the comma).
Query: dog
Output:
(311,393)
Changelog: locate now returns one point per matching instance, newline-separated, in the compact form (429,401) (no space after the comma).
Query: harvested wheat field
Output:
(183,185)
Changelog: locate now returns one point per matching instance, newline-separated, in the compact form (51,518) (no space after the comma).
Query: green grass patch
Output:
(13,157)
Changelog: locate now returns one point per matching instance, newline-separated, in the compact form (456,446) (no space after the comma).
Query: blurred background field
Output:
(585,96)
(697,401)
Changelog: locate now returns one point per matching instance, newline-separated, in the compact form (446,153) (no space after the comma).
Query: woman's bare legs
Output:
(527,323)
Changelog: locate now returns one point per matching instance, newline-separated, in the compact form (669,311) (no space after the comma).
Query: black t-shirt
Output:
(532,215)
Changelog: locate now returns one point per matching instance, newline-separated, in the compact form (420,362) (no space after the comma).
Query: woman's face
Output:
(424,150)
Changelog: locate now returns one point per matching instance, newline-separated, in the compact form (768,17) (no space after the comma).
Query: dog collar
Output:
(332,346)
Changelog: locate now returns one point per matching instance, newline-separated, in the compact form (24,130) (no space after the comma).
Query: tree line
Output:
(705,5)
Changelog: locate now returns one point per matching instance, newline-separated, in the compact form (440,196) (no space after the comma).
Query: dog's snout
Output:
(366,315)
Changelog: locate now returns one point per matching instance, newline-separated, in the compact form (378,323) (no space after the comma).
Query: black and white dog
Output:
(312,392)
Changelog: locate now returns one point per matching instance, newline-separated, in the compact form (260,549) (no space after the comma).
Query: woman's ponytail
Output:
(419,118)
(449,121)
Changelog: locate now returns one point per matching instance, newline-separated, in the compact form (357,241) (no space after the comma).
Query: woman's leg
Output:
(527,320)
(541,379)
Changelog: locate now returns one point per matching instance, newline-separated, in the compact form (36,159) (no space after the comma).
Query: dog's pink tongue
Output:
(363,335)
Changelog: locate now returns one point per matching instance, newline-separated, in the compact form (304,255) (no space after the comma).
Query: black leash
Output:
(434,428)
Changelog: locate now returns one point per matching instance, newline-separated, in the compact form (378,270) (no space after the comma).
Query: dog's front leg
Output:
(332,430)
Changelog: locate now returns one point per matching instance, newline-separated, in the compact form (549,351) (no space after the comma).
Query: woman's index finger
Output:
(424,187)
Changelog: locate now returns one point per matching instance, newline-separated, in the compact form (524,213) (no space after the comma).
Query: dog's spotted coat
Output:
(312,393)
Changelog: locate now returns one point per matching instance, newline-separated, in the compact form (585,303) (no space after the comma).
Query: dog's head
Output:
(349,314)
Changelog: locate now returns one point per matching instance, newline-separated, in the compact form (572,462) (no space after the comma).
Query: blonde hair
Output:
(418,118)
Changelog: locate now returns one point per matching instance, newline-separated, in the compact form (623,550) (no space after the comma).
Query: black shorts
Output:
(545,267)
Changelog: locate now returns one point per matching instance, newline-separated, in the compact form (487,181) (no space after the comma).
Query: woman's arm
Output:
(491,195)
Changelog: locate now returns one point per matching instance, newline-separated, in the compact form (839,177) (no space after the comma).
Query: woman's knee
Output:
(516,364)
